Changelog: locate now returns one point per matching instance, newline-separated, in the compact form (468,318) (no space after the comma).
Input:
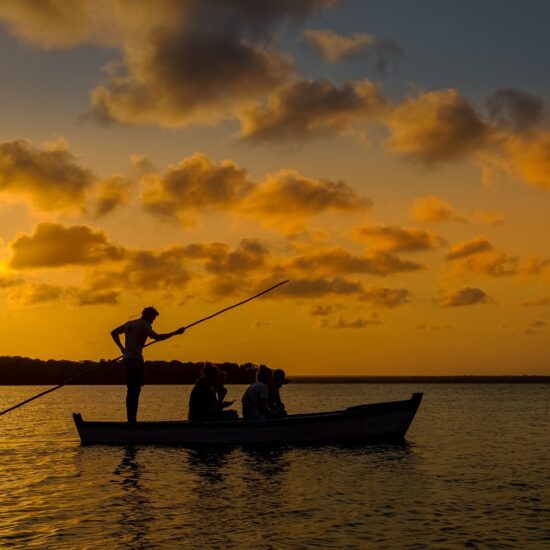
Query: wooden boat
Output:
(362,423)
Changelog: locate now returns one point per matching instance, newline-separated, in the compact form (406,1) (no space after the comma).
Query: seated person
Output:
(256,397)
(275,404)
(221,392)
(204,404)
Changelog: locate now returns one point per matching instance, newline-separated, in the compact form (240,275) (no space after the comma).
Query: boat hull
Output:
(374,422)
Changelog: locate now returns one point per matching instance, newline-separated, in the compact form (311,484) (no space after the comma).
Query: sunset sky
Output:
(392,159)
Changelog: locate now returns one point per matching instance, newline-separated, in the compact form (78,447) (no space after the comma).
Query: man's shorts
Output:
(133,371)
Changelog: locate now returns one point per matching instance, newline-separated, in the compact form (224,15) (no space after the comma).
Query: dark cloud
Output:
(319,286)
(436,127)
(515,109)
(50,178)
(464,297)
(56,245)
(339,261)
(477,245)
(179,61)
(311,108)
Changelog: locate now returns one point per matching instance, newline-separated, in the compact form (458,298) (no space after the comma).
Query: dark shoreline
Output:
(25,371)
(465,379)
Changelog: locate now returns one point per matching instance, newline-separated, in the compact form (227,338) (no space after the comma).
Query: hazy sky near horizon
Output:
(391,159)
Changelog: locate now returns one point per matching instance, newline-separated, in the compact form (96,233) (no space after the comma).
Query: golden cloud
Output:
(56,245)
(477,245)
(112,193)
(34,294)
(391,238)
(196,184)
(433,210)
(463,297)
(288,194)
(50,177)
(308,109)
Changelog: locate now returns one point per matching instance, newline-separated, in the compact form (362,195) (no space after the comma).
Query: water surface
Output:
(473,474)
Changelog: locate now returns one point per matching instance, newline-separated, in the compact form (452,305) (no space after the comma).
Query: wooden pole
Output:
(72,379)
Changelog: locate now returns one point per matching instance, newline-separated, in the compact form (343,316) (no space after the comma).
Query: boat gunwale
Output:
(303,418)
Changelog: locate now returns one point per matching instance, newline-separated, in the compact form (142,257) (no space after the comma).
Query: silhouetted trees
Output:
(27,371)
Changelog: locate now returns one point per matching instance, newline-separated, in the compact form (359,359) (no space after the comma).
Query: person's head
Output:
(263,374)
(279,377)
(149,314)
(210,372)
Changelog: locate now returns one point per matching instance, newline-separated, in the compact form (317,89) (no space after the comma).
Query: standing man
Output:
(136,333)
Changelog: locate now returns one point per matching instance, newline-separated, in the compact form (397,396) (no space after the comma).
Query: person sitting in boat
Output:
(255,400)
(221,390)
(136,333)
(276,406)
(204,402)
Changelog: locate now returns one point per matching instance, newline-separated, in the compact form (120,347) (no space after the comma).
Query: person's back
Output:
(136,333)
(203,400)
(255,398)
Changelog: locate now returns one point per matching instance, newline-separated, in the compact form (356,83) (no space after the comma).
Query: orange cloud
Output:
(398,239)
(433,210)
(475,246)
(287,194)
(50,177)
(56,245)
(112,193)
(196,184)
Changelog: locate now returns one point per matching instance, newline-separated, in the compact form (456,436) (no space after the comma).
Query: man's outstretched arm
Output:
(165,335)
(115,334)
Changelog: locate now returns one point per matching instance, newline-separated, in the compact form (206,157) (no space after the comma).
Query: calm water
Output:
(473,474)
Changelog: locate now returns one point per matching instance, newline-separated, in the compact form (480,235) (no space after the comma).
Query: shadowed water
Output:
(473,474)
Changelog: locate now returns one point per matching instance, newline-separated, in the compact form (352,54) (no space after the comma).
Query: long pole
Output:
(72,379)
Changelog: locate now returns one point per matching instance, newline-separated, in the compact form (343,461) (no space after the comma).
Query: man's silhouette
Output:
(136,333)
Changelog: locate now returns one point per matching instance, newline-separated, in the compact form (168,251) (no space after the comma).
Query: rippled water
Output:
(474,473)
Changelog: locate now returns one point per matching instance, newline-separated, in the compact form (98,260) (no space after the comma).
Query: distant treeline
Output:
(465,379)
(23,371)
